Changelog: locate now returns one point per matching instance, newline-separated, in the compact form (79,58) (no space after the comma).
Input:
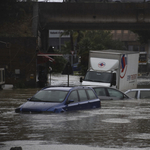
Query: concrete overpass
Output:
(106,16)
(90,16)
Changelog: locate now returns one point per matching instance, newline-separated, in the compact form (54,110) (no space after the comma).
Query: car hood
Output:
(37,106)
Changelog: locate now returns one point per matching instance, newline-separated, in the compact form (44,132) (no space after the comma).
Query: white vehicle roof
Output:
(137,90)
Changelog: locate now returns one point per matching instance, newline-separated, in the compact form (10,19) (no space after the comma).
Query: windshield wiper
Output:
(99,81)
(36,100)
(89,80)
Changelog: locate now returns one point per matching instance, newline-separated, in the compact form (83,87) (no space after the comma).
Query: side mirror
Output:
(81,79)
(126,97)
(70,101)
(28,99)
(113,79)
(114,82)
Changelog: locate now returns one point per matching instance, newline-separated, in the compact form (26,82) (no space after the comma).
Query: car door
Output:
(144,94)
(115,94)
(72,102)
(83,99)
(94,101)
(133,93)
(102,93)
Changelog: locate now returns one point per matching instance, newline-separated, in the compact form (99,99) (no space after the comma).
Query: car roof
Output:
(94,86)
(58,88)
(138,90)
(66,88)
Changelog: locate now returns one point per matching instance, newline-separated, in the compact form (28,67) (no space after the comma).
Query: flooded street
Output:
(118,125)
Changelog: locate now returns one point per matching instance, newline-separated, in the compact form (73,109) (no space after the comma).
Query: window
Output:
(91,94)
(130,47)
(73,96)
(126,31)
(50,96)
(100,91)
(142,48)
(119,31)
(82,95)
(98,76)
(145,94)
(132,94)
(136,48)
(115,93)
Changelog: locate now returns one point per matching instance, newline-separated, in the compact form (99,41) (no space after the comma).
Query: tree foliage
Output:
(144,35)
(58,65)
(95,40)
(84,41)
(16,18)
(75,37)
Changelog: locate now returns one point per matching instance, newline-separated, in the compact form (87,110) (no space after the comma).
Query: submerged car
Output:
(61,99)
(108,93)
(138,93)
(131,1)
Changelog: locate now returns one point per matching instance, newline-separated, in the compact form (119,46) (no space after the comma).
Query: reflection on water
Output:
(119,125)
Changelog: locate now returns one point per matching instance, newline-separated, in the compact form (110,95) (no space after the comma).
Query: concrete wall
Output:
(18,57)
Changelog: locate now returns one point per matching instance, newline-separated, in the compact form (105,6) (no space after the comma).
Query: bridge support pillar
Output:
(148,56)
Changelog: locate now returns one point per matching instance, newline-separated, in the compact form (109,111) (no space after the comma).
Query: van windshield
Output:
(104,77)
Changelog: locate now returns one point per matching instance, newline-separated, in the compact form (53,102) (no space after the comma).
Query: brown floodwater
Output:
(118,125)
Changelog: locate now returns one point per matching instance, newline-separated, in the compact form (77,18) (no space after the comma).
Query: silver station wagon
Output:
(138,93)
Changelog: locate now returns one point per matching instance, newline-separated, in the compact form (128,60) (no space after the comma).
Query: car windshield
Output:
(50,96)
(105,77)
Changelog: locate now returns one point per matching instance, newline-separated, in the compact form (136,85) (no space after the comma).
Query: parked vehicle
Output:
(2,77)
(61,99)
(75,67)
(138,93)
(107,93)
(127,1)
(131,1)
(112,68)
(116,1)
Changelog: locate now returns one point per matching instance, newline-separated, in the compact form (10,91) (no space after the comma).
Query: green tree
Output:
(95,40)
(144,35)
(58,65)
(16,18)
(75,37)
(89,40)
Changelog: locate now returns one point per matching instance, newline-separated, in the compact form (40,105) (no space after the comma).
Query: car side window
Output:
(132,94)
(91,94)
(82,95)
(73,96)
(144,94)
(114,93)
(100,91)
